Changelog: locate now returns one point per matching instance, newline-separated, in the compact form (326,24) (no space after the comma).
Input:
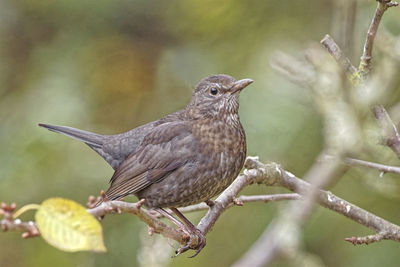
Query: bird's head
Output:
(216,96)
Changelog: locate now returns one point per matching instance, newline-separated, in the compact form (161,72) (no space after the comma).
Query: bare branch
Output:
(380,167)
(267,198)
(278,233)
(282,234)
(29,229)
(391,134)
(268,174)
(108,207)
(143,214)
(365,63)
(150,217)
(244,199)
(365,239)
(250,175)
(338,55)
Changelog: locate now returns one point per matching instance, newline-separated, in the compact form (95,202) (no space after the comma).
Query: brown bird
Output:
(184,158)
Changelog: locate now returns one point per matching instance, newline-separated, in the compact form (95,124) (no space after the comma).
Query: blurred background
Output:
(109,66)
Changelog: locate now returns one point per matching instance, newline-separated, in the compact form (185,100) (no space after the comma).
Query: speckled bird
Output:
(184,158)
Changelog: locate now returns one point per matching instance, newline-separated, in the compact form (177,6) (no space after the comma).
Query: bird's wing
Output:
(168,147)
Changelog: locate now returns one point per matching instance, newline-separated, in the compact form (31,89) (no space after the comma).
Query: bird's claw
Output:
(199,245)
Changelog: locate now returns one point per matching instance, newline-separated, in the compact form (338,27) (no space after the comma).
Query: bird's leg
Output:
(188,228)
(168,215)
(194,231)
(179,224)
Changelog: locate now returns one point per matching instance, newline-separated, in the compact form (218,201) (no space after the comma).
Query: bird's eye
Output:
(213,91)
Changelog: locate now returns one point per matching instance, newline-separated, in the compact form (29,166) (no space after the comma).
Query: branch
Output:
(268,174)
(280,234)
(29,229)
(338,55)
(273,175)
(144,215)
(365,239)
(244,199)
(365,63)
(228,196)
(380,167)
(390,132)
(150,217)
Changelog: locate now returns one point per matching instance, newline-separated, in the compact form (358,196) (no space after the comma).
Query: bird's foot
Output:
(197,241)
(210,202)
(195,238)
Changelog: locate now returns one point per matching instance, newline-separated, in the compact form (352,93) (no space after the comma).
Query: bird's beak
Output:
(239,85)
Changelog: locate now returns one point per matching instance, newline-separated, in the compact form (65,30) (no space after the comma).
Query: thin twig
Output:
(244,199)
(338,55)
(143,214)
(279,235)
(282,235)
(256,172)
(365,239)
(365,63)
(29,229)
(390,132)
(148,216)
(373,165)
(267,198)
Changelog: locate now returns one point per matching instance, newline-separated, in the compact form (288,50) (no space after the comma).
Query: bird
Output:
(184,158)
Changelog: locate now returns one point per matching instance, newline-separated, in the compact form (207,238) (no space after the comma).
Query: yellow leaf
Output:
(66,225)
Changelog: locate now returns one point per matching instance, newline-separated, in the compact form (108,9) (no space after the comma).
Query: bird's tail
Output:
(91,139)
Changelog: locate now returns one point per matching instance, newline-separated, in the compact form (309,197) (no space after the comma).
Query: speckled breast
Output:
(221,151)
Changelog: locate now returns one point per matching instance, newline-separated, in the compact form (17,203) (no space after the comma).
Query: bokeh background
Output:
(109,66)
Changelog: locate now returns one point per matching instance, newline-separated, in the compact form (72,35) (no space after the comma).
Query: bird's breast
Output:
(222,143)
(220,135)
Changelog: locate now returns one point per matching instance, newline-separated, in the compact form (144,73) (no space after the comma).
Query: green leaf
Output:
(67,226)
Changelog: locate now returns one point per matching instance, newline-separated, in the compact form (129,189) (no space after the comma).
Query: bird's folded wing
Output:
(164,150)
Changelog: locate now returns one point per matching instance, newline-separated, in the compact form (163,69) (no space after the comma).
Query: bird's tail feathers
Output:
(92,139)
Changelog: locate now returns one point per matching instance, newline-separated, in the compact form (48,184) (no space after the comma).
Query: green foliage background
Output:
(109,66)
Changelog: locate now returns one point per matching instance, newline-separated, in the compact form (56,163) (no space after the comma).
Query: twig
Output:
(267,198)
(147,216)
(29,229)
(273,175)
(390,132)
(365,239)
(365,63)
(338,55)
(256,172)
(144,215)
(279,235)
(380,167)
(250,175)
(244,199)
(282,235)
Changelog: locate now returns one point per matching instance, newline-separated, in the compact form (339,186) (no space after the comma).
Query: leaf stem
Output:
(24,209)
